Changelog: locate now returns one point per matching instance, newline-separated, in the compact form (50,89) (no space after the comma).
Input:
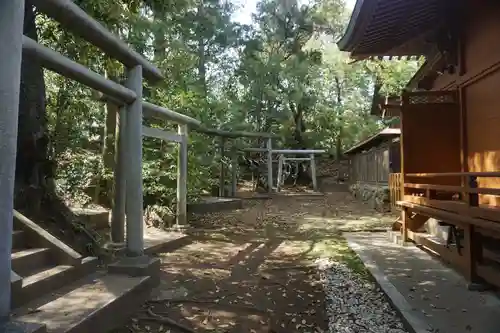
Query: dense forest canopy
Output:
(282,73)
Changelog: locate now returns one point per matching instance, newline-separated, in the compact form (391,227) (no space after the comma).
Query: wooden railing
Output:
(462,199)
(459,206)
(395,189)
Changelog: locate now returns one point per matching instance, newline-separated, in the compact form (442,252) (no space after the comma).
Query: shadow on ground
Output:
(252,270)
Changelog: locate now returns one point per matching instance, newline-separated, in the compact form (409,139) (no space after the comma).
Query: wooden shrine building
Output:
(371,162)
(450,122)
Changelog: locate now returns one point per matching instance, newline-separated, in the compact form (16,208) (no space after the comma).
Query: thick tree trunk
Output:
(35,194)
(32,167)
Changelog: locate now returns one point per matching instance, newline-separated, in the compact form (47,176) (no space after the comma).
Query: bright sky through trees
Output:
(248,7)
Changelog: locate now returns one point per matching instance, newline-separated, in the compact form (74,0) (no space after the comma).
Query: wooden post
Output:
(269,165)
(313,173)
(182,170)
(473,197)
(404,223)
(280,172)
(11,34)
(119,194)
(404,210)
(222,171)
(133,165)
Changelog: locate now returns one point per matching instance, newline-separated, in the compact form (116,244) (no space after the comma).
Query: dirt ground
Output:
(252,270)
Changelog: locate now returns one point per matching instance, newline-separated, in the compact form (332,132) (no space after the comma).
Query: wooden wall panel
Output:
(395,158)
(483,131)
(371,166)
(479,84)
(481,47)
(431,141)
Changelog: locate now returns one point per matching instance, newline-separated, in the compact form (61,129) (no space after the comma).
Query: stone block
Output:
(98,219)
(138,266)
(377,196)
(433,227)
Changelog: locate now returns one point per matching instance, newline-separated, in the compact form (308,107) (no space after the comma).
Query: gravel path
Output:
(355,304)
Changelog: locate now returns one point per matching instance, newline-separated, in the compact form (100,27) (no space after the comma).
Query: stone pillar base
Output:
(138,266)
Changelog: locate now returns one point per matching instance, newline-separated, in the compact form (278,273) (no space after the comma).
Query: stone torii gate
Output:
(128,96)
(282,158)
(128,176)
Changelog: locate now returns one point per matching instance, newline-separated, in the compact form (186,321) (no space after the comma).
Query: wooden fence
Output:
(371,166)
(395,189)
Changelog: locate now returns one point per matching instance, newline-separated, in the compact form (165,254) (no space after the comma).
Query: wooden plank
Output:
(491,255)
(471,252)
(450,188)
(463,123)
(448,255)
(395,188)
(161,134)
(451,174)
(458,217)
(492,214)
(404,100)
(489,274)
(404,224)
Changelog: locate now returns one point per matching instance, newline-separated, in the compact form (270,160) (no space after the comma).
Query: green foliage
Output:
(283,73)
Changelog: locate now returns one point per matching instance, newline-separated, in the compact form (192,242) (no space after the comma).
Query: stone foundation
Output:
(377,196)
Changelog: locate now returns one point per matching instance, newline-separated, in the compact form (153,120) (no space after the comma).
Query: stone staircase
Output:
(41,263)
(95,303)
(59,290)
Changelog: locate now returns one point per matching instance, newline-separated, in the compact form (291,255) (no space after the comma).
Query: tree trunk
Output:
(104,189)
(300,127)
(35,194)
(202,69)
(303,176)
(32,165)
(340,133)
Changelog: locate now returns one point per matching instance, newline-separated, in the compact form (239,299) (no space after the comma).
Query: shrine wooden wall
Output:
(431,133)
(478,82)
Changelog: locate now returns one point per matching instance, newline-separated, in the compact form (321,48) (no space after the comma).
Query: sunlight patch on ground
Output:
(309,223)
(309,251)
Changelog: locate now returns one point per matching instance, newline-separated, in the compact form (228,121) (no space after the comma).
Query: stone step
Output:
(26,261)
(50,278)
(93,218)
(18,241)
(397,238)
(96,306)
